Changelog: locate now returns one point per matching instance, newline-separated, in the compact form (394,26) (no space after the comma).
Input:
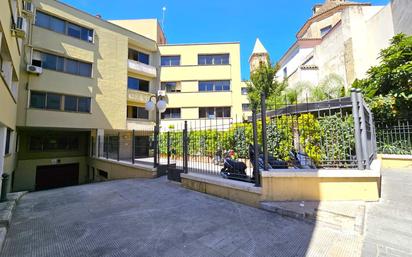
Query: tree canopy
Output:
(263,79)
(388,86)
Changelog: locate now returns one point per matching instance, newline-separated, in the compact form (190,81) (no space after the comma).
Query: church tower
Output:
(258,56)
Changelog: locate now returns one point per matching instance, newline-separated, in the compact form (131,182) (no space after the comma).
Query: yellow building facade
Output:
(68,77)
(201,81)
(11,50)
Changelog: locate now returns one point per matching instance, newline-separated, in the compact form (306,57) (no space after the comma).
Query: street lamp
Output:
(158,103)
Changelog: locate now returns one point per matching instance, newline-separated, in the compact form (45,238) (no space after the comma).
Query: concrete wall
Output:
(240,192)
(336,185)
(118,170)
(25,175)
(402,16)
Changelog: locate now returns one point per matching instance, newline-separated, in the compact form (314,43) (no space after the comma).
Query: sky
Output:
(275,22)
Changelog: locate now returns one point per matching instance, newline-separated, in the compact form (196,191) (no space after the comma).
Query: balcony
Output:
(141,68)
(138,96)
(140,125)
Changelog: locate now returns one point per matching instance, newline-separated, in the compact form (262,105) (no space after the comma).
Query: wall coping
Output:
(406,157)
(374,172)
(215,180)
(123,163)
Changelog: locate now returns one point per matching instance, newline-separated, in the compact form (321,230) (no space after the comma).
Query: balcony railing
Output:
(142,68)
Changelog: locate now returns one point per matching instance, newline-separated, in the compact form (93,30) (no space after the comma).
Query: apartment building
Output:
(81,76)
(202,82)
(68,77)
(11,49)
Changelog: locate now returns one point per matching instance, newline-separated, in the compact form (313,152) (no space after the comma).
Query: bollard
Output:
(4,184)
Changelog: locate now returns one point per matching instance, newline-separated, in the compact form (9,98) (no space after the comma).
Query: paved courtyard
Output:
(389,222)
(159,218)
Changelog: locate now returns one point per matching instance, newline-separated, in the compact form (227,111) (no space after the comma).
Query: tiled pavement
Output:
(389,222)
(159,218)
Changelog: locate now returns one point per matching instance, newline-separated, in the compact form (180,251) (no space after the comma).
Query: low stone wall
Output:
(395,161)
(122,170)
(320,186)
(237,191)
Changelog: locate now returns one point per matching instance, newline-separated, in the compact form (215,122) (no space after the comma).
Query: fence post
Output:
(264,136)
(118,146)
(98,146)
(256,171)
(358,144)
(364,140)
(185,149)
(133,147)
(168,148)
(106,142)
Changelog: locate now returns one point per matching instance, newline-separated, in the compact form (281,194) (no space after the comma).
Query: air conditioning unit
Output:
(34,69)
(20,27)
(161,92)
(28,7)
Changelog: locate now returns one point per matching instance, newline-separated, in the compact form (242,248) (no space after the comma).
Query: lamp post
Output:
(160,104)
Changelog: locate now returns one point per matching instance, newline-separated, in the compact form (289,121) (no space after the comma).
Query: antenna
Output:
(163,19)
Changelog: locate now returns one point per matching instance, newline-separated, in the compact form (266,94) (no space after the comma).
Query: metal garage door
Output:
(52,176)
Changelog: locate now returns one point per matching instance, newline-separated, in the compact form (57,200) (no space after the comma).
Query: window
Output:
(103,173)
(47,143)
(137,84)
(84,104)
(171,86)
(214,112)
(170,60)
(37,100)
(244,90)
(134,112)
(220,85)
(285,72)
(213,59)
(8,140)
(245,107)
(70,103)
(138,56)
(325,30)
(171,113)
(52,101)
(58,63)
(64,27)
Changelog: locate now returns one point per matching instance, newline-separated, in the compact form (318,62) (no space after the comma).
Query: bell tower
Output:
(259,55)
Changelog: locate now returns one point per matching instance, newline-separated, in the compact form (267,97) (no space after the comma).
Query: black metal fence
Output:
(338,133)
(394,137)
(132,146)
(201,146)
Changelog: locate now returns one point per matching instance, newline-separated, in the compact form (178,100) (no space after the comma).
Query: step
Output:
(345,216)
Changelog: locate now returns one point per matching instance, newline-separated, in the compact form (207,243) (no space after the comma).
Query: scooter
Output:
(233,169)
(272,161)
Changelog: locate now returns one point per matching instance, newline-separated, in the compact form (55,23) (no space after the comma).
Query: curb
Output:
(6,213)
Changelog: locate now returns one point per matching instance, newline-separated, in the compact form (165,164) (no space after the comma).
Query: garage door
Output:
(53,176)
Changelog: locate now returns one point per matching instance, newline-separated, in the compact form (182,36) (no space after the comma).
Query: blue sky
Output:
(275,22)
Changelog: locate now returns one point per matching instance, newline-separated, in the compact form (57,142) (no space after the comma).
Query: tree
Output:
(263,79)
(389,85)
(330,87)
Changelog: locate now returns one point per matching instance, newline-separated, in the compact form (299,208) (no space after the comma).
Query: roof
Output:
(330,4)
(259,48)
(328,8)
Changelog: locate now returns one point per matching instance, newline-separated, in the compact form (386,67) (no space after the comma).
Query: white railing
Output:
(142,68)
